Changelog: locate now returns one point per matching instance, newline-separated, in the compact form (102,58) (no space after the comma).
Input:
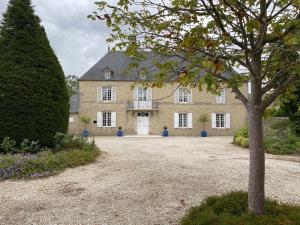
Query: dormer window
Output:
(143,76)
(107,73)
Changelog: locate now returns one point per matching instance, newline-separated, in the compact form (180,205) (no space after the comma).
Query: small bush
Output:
(68,141)
(241,137)
(29,147)
(231,209)
(7,146)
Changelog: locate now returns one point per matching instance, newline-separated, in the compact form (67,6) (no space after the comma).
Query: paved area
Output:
(143,181)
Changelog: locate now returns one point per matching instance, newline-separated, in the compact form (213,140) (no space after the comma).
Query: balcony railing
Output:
(142,105)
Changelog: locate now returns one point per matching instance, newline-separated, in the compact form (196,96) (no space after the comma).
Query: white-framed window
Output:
(183,95)
(142,94)
(106,93)
(220,120)
(106,119)
(107,74)
(71,119)
(220,99)
(183,120)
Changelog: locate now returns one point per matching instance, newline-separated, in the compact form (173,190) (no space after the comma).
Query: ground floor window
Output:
(106,121)
(220,120)
(183,120)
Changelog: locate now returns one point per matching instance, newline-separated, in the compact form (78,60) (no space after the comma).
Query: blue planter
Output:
(85,133)
(204,133)
(165,133)
(120,133)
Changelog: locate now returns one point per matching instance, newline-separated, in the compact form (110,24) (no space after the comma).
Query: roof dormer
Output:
(107,73)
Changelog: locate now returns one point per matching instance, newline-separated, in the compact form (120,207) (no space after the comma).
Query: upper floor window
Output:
(106,93)
(220,99)
(183,95)
(107,74)
(142,94)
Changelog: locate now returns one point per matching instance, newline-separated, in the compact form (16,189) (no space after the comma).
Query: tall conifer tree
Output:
(33,94)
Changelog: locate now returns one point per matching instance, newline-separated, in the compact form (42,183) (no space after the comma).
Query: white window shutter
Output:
(213,120)
(190,96)
(114,94)
(99,119)
(149,94)
(176,96)
(99,94)
(113,119)
(190,120)
(176,120)
(249,87)
(136,94)
(227,120)
(224,96)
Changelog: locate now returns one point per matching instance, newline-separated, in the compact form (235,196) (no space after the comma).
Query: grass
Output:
(231,209)
(45,163)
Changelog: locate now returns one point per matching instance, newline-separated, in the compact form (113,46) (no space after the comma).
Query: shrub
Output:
(7,145)
(29,147)
(33,93)
(68,141)
(281,139)
(232,209)
(241,137)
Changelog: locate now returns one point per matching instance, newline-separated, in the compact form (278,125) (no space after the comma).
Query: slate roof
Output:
(74,104)
(119,63)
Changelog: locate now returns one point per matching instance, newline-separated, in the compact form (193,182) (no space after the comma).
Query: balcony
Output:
(142,106)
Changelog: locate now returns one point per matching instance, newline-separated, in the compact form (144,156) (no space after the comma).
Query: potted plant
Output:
(120,133)
(203,118)
(165,132)
(86,120)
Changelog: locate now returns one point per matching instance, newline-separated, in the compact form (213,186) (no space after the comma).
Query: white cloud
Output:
(78,42)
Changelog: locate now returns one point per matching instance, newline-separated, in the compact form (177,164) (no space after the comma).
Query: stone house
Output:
(113,96)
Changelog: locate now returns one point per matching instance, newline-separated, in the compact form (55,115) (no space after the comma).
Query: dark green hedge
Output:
(33,94)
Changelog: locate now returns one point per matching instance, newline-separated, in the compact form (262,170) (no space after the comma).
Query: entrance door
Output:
(143,123)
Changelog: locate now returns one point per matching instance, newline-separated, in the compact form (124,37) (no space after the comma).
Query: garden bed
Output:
(232,209)
(279,138)
(71,152)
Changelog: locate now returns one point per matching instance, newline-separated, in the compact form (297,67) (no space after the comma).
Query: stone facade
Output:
(162,112)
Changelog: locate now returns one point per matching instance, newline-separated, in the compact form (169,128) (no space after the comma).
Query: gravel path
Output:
(143,181)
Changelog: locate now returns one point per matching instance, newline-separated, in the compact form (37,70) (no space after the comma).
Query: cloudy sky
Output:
(78,42)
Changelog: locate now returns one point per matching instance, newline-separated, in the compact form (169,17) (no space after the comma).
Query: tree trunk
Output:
(256,189)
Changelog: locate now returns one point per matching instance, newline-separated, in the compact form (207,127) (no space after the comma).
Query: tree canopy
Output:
(255,41)
(33,93)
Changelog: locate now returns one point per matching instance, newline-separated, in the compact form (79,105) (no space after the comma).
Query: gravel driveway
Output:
(143,181)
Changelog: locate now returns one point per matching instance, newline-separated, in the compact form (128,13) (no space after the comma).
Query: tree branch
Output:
(278,91)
